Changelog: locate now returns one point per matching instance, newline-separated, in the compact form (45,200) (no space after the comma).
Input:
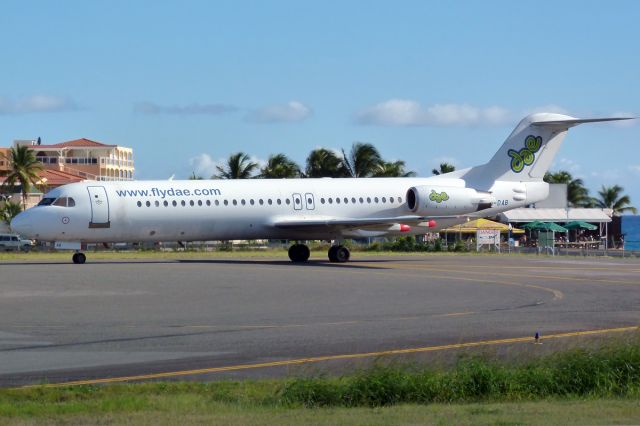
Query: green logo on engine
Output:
(527,155)
(438,198)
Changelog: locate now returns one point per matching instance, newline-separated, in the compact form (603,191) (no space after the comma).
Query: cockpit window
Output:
(64,202)
(46,201)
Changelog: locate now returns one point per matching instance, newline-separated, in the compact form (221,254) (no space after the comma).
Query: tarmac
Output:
(213,319)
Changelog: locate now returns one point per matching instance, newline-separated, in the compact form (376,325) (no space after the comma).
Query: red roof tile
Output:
(79,143)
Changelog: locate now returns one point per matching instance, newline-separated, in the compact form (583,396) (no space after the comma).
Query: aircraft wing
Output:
(348,223)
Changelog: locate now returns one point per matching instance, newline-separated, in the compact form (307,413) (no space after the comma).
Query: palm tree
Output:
(363,160)
(444,168)
(612,198)
(577,194)
(323,162)
(239,166)
(195,177)
(279,166)
(392,169)
(9,211)
(24,169)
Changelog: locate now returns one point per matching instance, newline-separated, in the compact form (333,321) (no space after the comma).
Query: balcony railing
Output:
(106,161)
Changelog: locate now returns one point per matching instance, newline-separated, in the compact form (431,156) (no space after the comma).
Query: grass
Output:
(579,386)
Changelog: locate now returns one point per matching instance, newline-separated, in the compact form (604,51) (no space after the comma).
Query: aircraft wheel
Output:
(299,253)
(79,258)
(332,253)
(342,254)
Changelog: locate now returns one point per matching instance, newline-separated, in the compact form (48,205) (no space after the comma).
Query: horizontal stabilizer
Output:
(570,122)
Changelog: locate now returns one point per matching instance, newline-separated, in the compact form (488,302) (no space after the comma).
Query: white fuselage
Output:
(203,210)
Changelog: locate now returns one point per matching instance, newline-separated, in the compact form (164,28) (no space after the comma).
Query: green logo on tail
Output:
(438,198)
(527,155)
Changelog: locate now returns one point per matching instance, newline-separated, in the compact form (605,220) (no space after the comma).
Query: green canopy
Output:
(544,226)
(578,224)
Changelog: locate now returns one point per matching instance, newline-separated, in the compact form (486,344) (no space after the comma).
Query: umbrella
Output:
(578,224)
(545,226)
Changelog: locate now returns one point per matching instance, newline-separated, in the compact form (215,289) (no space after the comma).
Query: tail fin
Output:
(529,150)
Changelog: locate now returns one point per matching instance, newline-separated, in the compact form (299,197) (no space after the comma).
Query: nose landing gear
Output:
(299,253)
(79,258)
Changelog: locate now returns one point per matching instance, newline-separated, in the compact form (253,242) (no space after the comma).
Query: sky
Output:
(187,83)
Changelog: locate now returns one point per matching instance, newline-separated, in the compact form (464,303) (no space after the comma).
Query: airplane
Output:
(300,209)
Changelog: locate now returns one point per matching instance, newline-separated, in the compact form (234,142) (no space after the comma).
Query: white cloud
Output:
(191,109)
(36,104)
(552,108)
(635,168)
(203,165)
(406,112)
(292,111)
(569,165)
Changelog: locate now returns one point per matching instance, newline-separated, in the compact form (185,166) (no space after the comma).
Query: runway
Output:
(211,319)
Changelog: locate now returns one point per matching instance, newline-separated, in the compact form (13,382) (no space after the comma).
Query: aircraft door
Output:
(99,207)
(309,201)
(297,201)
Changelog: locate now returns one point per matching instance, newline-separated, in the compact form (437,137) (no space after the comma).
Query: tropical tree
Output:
(612,198)
(239,166)
(444,168)
(23,170)
(392,169)
(577,194)
(279,166)
(323,162)
(195,177)
(9,210)
(363,160)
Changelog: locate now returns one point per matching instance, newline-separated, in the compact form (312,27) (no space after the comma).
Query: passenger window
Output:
(252,202)
(166,203)
(243,202)
(208,202)
(322,200)
(400,199)
(278,201)
(368,199)
(361,200)
(183,203)
(269,201)
(217,203)
(139,203)
(288,201)
(337,200)
(199,202)
(384,200)
(174,203)
(148,203)
(353,200)
(235,202)
(226,203)
(376,200)
(157,203)
(330,200)
(261,201)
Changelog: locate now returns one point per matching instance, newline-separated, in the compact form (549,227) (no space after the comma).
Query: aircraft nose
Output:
(21,224)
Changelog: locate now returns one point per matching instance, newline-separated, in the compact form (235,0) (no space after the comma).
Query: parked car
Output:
(10,242)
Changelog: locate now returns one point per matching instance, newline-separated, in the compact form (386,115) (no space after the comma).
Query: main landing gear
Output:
(299,253)
(79,258)
(339,254)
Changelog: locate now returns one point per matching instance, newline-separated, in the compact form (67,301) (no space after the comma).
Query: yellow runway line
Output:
(300,361)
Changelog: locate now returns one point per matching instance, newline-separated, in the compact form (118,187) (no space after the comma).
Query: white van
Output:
(10,242)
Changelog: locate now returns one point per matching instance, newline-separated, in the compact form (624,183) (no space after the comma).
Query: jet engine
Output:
(447,200)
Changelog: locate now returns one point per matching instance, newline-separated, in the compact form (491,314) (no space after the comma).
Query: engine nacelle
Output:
(446,200)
